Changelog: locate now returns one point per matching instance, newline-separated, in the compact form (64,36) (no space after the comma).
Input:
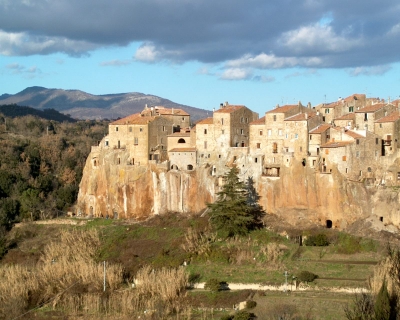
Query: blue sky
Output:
(201,53)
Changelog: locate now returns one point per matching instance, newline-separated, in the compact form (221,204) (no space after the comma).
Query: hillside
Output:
(13,110)
(82,105)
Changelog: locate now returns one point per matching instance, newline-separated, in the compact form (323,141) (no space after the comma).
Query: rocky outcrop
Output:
(299,193)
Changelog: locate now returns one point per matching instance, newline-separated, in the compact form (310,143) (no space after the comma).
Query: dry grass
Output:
(67,278)
(197,242)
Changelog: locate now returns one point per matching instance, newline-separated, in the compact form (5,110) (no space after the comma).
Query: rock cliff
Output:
(299,193)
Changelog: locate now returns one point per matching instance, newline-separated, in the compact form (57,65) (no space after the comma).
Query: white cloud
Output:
(320,37)
(115,63)
(236,74)
(369,71)
(147,53)
(270,61)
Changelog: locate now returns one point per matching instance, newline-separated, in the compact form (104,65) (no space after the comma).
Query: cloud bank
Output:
(242,36)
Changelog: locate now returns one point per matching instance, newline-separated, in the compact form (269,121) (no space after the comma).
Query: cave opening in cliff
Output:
(329,224)
(381,219)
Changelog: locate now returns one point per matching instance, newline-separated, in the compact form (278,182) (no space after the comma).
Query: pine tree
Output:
(382,303)
(234,212)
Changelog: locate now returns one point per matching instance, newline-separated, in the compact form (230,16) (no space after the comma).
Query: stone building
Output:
(142,137)
(182,152)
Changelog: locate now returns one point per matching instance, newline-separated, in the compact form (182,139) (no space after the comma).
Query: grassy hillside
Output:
(61,263)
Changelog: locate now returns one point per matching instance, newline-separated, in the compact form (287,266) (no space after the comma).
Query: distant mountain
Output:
(82,105)
(13,110)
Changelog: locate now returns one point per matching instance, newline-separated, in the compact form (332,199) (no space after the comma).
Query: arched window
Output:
(181,140)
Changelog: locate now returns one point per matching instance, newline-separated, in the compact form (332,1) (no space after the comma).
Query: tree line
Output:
(41,164)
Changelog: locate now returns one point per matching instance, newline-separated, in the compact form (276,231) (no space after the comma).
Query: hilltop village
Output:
(355,139)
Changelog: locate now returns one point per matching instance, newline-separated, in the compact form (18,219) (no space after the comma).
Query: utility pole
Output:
(104,279)
(286,274)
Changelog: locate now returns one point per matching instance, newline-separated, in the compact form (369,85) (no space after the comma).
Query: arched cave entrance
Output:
(181,140)
(329,224)
(190,167)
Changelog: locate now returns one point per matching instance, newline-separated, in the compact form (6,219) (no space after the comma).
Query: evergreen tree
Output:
(234,212)
(382,303)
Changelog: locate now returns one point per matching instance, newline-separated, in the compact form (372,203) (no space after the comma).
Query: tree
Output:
(362,307)
(234,212)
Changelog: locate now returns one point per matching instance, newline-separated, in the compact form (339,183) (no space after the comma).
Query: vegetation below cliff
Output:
(57,267)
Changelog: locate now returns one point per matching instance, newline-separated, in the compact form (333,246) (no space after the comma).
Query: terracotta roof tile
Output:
(371,108)
(258,121)
(356,96)
(348,116)
(321,128)
(206,121)
(133,119)
(283,109)
(229,108)
(394,116)
(353,134)
(336,144)
(302,116)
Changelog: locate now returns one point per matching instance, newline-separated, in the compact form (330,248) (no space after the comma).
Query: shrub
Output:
(244,315)
(215,285)
(250,304)
(306,276)
(227,317)
(319,240)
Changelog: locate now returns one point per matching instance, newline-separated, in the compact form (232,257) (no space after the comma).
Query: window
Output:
(269,132)
(310,137)
(205,144)
(140,129)
(357,141)
(183,119)
(365,116)
(301,149)
(241,131)
(242,120)
(181,140)
(274,147)
(258,145)
(255,160)
(261,132)
(326,110)
(286,136)
(296,136)
(351,109)
(280,132)
(357,154)
(106,143)
(116,128)
(223,131)
(130,129)
(247,120)
(163,128)
(376,140)
(326,151)
(119,161)
(135,141)
(222,121)
(274,117)
(343,158)
(380,125)
(205,131)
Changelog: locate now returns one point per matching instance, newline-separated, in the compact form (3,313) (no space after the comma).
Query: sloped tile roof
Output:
(283,109)
(301,116)
(336,144)
(371,108)
(394,116)
(321,128)
(206,121)
(229,108)
(258,121)
(136,118)
(348,116)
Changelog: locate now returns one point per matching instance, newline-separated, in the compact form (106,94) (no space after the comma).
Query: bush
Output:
(227,317)
(306,276)
(318,240)
(215,285)
(250,304)
(244,315)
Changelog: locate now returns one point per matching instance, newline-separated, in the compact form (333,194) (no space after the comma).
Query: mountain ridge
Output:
(82,105)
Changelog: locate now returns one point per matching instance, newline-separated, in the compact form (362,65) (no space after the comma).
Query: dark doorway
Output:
(329,224)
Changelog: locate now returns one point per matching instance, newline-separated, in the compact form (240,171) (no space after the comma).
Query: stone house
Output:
(366,117)
(317,137)
(225,133)
(142,137)
(182,152)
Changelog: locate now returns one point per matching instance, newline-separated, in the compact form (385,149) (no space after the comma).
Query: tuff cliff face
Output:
(298,194)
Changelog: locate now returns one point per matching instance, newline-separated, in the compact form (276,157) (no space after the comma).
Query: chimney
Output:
(221,105)
(309,105)
(226,104)
(306,115)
